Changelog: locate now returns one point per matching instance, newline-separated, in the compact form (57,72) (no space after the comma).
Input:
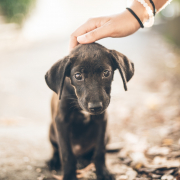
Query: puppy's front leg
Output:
(67,157)
(99,156)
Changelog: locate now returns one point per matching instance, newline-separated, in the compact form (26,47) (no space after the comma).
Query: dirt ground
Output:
(144,122)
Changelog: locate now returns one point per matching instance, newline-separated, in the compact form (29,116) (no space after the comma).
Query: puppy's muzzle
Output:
(95,107)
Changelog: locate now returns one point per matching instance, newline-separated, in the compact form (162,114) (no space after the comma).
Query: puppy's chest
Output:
(81,125)
(80,117)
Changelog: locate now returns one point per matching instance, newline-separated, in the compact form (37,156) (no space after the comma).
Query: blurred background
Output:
(144,122)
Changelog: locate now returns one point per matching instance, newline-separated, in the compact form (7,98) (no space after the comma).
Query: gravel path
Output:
(145,114)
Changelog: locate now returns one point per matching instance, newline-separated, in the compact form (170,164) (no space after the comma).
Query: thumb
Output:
(94,35)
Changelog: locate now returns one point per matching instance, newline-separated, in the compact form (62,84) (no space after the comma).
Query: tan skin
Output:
(111,26)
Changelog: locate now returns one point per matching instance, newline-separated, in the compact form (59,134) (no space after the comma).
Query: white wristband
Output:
(151,17)
(150,21)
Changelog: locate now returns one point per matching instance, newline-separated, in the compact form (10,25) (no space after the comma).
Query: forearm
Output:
(119,25)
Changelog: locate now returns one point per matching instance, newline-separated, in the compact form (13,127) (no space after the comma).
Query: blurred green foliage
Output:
(16,10)
(170,28)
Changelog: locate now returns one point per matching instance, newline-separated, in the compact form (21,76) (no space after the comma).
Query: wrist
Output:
(140,10)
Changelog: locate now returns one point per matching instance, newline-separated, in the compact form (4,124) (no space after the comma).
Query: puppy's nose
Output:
(95,107)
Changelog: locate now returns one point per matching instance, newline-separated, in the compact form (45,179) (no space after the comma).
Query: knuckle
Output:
(86,36)
(91,36)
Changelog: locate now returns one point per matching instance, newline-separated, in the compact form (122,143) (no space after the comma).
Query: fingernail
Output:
(81,39)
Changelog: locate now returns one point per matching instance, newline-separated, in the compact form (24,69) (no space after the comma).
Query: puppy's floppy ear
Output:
(56,75)
(124,65)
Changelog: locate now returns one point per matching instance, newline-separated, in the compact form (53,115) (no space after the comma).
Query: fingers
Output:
(94,35)
(86,27)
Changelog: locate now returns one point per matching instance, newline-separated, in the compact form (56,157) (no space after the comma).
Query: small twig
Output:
(82,172)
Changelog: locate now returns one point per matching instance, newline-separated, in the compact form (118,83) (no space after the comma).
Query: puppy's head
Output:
(90,68)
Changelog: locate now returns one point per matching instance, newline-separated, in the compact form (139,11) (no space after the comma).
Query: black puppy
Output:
(82,83)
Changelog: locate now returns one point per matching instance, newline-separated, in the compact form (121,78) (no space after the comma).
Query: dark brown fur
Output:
(79,118)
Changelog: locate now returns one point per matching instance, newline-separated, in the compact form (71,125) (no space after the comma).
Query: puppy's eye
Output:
(78,76)
(106,73)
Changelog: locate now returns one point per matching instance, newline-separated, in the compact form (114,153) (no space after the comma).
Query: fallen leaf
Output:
(167,142)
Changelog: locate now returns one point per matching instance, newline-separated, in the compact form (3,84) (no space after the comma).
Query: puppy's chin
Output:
(86,111)
(96,113)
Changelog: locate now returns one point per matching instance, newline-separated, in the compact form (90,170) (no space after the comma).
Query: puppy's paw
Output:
(54,164)
(106,175)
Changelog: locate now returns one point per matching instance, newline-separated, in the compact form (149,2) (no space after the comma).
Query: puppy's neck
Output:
(87,116)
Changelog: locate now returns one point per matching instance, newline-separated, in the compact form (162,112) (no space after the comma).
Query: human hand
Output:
(119,25)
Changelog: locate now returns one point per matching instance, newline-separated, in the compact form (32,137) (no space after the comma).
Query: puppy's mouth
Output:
(97,112)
